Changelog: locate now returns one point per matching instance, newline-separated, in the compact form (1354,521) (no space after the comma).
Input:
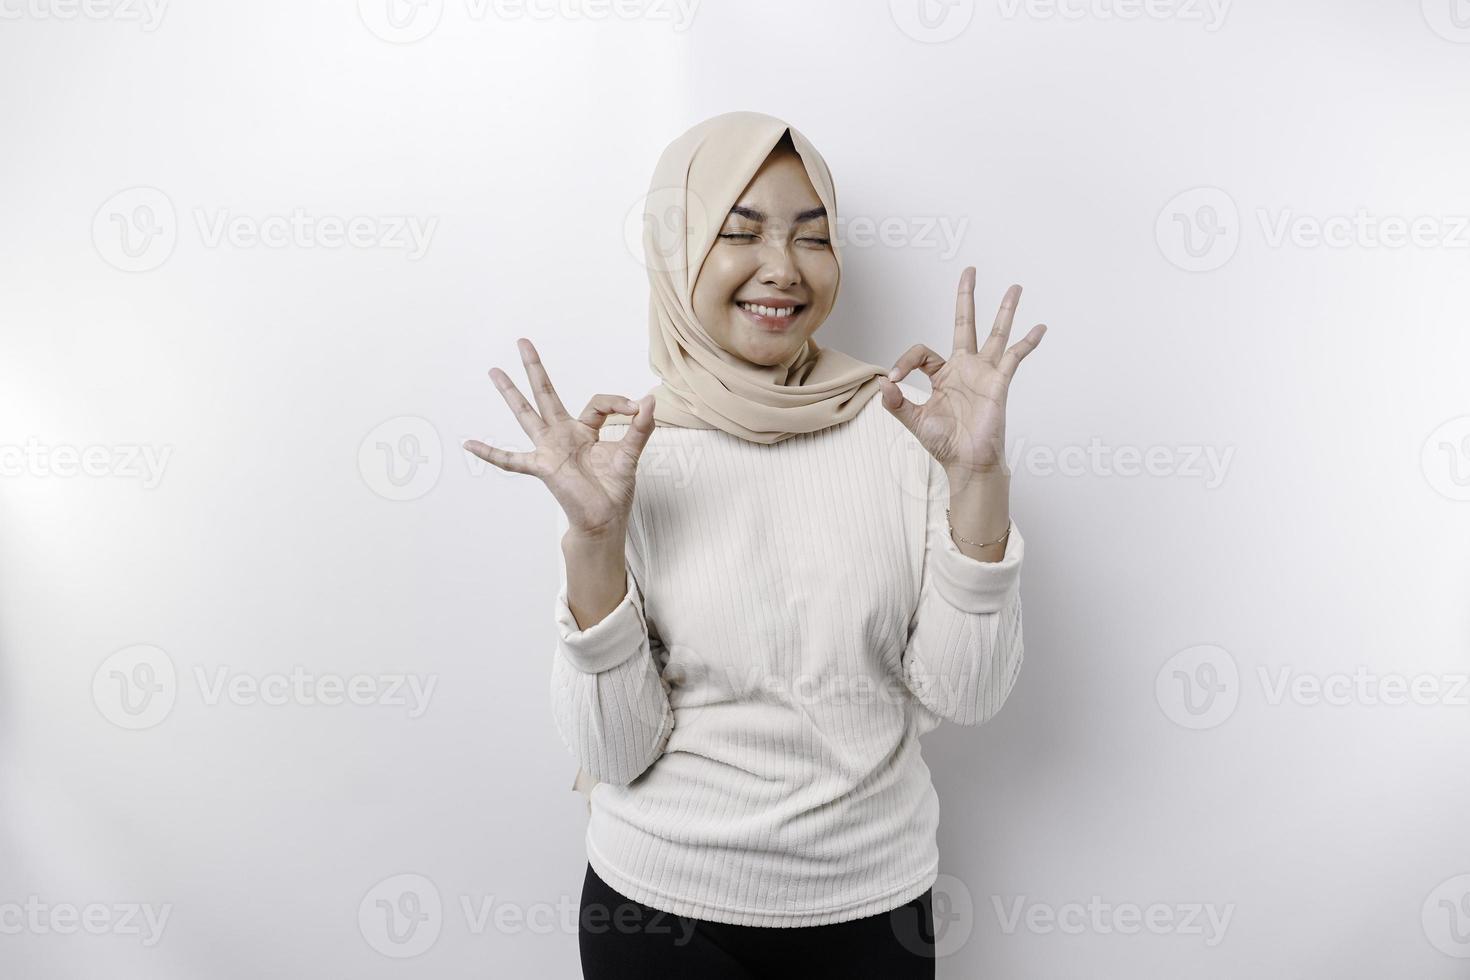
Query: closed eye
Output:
(746,234)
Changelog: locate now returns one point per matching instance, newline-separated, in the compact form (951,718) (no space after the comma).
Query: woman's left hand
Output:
(963,424)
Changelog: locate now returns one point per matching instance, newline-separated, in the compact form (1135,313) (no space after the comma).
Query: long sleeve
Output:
(797,595)
(964,647)
(607,694)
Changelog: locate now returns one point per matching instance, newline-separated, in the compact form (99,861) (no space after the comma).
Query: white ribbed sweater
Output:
(797,615)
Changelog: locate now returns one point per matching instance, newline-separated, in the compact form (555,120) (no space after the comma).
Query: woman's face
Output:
(774,251)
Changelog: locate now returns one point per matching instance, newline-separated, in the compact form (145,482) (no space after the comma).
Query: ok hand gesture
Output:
(592,480)
(963,424)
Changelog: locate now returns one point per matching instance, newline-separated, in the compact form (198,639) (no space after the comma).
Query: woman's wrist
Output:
(979,509)
(596,573)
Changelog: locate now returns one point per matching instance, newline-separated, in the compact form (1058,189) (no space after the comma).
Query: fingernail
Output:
(893,375)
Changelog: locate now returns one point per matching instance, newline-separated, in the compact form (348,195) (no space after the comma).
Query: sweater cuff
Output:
(606,643)
(971,585)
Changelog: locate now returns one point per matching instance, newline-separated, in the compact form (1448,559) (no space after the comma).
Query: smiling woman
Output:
(751,749)
(738,212)
(771,277)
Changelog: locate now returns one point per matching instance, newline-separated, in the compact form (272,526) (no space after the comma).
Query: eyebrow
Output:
(754,215)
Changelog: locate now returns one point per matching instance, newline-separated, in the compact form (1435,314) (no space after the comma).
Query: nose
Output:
(778,267)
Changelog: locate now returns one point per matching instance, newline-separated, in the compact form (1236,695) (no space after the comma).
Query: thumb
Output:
(898,406)
(640,428)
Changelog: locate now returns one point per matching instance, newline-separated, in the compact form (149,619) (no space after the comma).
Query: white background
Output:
(281,390)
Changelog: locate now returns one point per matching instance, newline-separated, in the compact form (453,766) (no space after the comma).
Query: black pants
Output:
(622,939)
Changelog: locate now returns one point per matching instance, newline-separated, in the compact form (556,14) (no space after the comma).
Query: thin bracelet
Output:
(976,543)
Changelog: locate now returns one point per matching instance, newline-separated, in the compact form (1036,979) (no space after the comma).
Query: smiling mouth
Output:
(771,318)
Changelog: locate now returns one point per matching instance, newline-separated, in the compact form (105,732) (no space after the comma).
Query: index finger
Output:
(964,313)
(545,395)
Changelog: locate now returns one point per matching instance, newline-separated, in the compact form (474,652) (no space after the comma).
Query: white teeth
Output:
(767,310)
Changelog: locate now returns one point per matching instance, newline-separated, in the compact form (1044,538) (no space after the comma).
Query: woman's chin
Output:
(765,347)
(768,351)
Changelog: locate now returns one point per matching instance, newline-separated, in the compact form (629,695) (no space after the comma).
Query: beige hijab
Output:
(699,177)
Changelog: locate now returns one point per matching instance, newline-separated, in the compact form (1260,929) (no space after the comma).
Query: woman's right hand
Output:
(592,480)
